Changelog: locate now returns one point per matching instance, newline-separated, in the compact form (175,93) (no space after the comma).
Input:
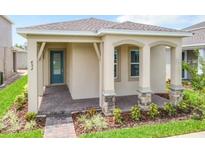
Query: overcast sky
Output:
(172,21)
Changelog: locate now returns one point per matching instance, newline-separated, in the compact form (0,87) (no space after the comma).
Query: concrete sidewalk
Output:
(192,135)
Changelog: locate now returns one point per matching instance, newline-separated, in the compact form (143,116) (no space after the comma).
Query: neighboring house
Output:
(102,59)
(20,58)
(6,55)
(190,44)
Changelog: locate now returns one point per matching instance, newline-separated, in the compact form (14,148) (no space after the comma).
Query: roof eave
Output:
(25,32)
(147,33)
(8,19)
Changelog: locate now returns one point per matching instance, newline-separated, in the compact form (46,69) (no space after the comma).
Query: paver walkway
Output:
(192,135)
(59,127)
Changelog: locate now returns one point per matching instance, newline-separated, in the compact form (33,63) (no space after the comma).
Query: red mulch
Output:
(127,121)
(164,95)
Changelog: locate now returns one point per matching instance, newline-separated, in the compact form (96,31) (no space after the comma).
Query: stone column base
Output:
(108,104)
(176,94)
(145,98)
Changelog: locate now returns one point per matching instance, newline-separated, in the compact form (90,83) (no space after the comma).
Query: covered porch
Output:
(87,72)
(58,100)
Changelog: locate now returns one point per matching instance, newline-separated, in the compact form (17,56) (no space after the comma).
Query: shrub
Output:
(153,111)
(14,123)
(20,102)
(117,112)
(2,125)
(99,122)
(91,112)
(25,92)
(95,122)
(184,106)
(30,125)
(136,113)
(170,109)
(30,116)
(82,118)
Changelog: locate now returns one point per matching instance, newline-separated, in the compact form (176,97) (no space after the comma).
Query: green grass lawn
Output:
(8,94)
(153,131)
(26,134)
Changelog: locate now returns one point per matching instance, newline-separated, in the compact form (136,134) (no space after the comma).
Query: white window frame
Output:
(131,63)
(117,63)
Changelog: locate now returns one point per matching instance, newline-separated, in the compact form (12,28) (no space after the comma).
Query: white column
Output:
(101,75)
(144,79)
(40,76)
(108,95)
(32,76)
(176,67)
(144,90)
(201,55)
(176,75)
(108,68)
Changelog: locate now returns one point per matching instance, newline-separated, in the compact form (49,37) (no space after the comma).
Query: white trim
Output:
(24,32)
(102,32)
(41,50)
(137,32)
(195,29)
(7,18)
(185,60)
(193,45)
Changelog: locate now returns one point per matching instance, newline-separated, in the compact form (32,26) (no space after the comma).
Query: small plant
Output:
(91,112)
(95,122)
(82,118)
(88,124)
(99,122)
(170,109)
(30,116)
(30,125)
(153,111)
(14,123)
(117,112)
(2,125)
(20,102)
(184,106)
(25,92)
(136,113)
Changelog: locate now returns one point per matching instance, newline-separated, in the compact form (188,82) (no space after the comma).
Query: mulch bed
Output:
(127,121)
(164,95)
(21,117)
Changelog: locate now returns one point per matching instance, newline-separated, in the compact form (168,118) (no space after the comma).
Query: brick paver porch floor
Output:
(57,100)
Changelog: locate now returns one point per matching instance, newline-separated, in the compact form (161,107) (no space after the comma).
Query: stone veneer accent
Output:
(108,104)
(145,97)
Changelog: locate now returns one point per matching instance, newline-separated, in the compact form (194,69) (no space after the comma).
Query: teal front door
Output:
(57,66)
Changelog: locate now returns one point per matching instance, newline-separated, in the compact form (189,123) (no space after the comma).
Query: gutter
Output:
(102,32)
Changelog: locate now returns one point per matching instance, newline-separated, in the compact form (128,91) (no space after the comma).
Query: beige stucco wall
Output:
(6,55)
(82,67)
(21,60)
(158,69)
(124,86)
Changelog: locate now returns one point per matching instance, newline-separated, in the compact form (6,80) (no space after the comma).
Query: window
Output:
(134,63)
(116,63)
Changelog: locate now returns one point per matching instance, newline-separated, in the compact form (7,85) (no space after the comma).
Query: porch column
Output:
(108,94)
(144,90)
(32,76)
(176,74)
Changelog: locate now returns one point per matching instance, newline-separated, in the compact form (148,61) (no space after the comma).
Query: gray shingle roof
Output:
(141,27)
(198,37)
(196,26)
(93,25)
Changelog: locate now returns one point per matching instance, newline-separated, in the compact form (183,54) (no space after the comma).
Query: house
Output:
(102,59)
(6,55)
(20,58)
(190,44)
